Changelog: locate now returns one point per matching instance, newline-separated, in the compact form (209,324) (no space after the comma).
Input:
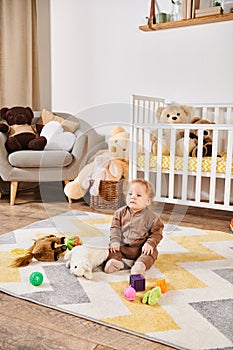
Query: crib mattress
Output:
(178,165)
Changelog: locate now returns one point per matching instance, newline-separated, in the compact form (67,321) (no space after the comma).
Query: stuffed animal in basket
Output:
(47,248)
(171,114)
(193,140)
(81,260)
(111,164)
(22,135)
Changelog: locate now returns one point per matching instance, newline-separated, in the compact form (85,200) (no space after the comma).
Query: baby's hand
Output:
(147,249)
(114,247)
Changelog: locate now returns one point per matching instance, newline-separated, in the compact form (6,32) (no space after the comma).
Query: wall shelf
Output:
(188,22)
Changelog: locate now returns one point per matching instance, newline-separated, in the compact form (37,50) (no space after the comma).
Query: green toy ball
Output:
(36,278)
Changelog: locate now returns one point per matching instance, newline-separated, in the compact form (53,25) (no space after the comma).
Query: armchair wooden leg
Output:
(69,199)
(14,187)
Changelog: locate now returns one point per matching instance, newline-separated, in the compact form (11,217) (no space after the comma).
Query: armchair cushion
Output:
(40,159)
(67,125)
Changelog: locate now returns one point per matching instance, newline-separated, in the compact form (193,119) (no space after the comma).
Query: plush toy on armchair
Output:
(111,164)
(21,134)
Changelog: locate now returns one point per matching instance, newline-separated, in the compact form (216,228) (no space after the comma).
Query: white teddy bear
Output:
(171,114)
(83,259)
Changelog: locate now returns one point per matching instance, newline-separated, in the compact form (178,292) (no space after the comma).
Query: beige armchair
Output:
(48,165)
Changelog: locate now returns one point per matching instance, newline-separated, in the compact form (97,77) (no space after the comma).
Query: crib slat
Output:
(159,164)
(134,142)
(149,113)
(228,178)
(172,164)
(229,116)
(216,115)
(204,113)
(133,153)
(213,167)
(147,154)
(185,166)
(137,112)
(199,167)
(143,112)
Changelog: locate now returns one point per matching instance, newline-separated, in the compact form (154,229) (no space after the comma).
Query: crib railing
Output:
(210,188)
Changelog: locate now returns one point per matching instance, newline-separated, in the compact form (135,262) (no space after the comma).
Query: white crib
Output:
(194,181)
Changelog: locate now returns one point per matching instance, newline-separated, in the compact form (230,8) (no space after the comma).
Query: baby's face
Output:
(137,197)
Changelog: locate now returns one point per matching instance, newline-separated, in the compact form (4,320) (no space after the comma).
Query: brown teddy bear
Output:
(21,134)
(47,248)
(171,114)
(207,138)
(193,140)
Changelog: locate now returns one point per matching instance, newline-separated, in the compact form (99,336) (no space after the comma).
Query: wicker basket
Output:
(110,196)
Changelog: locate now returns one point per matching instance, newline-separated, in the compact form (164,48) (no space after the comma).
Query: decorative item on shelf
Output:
(176,13)
(215,10)
(216,3)
(162,17)
(159,17)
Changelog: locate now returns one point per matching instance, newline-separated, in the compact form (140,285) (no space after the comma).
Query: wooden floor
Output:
(27,326)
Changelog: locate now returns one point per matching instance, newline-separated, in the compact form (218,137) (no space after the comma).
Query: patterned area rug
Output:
(195,313)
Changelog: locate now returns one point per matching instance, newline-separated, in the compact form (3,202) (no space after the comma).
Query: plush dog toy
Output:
(171,114)
(111,164)
(21,134)
(81,260)
(47,248)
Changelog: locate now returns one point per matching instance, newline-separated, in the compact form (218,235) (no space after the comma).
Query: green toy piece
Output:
(36,278)
(73,241)
(152,296)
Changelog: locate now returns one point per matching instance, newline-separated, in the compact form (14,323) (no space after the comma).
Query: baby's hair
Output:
(149,187)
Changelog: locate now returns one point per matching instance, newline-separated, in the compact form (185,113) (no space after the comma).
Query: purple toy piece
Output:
(138,282)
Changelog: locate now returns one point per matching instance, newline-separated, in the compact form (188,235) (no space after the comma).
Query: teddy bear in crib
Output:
(111,164)
(193,140)
(207,138)
(171,114)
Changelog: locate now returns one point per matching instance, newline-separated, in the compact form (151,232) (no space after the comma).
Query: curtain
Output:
(19,72)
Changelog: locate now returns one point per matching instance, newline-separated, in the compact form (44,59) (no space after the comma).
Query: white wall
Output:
(100,58)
